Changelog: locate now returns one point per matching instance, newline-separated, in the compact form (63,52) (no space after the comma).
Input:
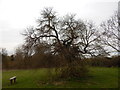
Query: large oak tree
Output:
(67,36)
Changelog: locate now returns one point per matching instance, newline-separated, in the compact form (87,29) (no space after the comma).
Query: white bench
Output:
(13,79)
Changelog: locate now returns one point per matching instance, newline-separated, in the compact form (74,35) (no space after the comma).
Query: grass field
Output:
(98,77)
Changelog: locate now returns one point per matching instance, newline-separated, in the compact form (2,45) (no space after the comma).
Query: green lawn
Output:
(0,78)
(98,77)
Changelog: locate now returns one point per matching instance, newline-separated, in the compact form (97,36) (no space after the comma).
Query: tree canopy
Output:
(66,36)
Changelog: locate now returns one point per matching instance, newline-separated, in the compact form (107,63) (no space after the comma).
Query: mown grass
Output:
(98,77)
(0,78)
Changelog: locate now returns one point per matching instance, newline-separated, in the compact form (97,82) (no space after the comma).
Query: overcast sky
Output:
(17,15)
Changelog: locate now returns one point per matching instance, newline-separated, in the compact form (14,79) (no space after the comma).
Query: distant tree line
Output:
(50,61)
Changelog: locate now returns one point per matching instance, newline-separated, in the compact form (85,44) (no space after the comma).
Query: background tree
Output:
(5,58)
(110,35)
(4,52)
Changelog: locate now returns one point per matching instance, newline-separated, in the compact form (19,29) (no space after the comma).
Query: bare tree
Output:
(67,36)
(4,52)
(110,35)
(19,53)
(89,39)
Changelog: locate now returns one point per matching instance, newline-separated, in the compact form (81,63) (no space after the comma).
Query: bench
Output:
(13,79)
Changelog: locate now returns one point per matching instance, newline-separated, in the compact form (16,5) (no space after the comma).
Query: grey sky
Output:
(17,15)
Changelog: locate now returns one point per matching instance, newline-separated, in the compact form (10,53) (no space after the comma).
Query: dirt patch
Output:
(56,83)
(59,83)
